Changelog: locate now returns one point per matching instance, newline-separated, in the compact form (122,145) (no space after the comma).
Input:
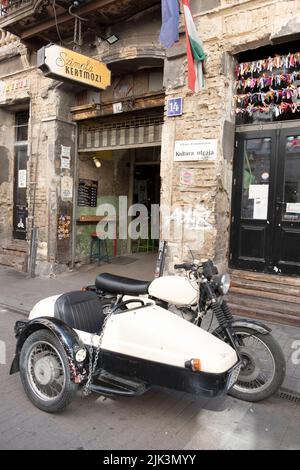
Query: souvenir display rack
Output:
(270,86)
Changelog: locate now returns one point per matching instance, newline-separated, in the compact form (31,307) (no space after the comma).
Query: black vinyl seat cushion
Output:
(80,310)
(121,285)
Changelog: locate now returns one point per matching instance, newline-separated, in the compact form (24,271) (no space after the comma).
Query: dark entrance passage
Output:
(265,229)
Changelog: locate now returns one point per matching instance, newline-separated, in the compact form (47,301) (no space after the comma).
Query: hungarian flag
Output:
(195,52)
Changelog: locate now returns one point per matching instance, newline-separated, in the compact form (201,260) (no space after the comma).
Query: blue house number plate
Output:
(174,107)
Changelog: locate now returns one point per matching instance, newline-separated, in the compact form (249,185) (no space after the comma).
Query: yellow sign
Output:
(58,62)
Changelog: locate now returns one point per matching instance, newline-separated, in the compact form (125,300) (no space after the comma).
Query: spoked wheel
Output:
(263,368)
(45,372)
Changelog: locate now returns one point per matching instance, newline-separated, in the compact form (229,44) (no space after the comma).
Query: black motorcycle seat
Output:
(121,285)
(80,310)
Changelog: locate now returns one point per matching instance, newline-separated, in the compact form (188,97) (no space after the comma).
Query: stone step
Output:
(267,315)
(266,293)
(12,261)
(270,278)
(15,246)
(266,296)
(258,288)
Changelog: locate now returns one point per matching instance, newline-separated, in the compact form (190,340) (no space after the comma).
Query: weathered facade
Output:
(144,77)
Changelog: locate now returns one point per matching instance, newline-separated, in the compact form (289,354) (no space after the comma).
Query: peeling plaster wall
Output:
(226,27)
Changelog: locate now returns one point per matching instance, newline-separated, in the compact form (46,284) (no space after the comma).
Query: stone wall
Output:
(226,28)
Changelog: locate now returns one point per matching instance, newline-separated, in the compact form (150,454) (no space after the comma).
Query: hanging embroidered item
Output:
(268,86)
(195,52)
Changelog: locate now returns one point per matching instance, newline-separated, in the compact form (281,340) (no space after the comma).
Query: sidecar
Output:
(56,352)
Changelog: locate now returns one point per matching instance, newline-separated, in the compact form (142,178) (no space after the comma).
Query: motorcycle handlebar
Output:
(186,266)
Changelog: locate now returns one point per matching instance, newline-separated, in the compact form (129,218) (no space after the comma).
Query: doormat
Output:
(123,260)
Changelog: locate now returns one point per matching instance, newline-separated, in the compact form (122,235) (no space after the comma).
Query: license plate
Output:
(233,376)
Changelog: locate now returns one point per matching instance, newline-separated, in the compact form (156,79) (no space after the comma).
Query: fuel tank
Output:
(177,290)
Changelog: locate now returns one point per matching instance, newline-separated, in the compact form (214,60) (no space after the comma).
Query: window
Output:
(21,126)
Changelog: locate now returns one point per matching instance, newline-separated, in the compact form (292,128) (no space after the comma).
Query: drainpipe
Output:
(130,194)
(75,190)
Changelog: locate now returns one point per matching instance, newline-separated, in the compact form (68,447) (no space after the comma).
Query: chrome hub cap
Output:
(258,367)
(46,370)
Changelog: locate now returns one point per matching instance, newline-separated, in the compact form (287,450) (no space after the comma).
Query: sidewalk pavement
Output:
(20,293)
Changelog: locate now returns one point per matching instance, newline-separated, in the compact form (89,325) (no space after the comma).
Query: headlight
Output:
(223,283)
(80,355)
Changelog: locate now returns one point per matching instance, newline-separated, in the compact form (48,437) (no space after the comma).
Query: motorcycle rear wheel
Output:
(263,369)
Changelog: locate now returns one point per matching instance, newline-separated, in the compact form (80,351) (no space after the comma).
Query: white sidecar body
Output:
(154,334)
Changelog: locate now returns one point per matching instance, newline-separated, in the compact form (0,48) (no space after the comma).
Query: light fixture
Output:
(97,162)
(112,39)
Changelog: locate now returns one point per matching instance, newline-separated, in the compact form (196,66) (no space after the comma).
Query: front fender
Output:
(64,333)
(245,323)
(255,325)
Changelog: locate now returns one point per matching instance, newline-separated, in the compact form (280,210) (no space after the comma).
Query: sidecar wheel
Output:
(263,368)
(45,372)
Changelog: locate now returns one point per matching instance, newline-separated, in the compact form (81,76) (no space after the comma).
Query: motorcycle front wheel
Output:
(263,368)
(45,372)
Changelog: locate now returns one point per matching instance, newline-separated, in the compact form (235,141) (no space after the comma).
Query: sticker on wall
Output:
(66,188)
(187,177)
(63,227)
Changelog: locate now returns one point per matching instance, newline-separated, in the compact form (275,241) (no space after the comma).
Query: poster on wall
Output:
(63,227)
(66,188)
(195,150)
(87,193)
(22,179)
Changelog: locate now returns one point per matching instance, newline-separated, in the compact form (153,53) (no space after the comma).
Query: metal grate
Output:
(121,133)
(140,121)
(289,396)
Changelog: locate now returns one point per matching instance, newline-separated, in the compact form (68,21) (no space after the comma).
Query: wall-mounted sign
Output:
(117,108)
(174,107)
(63,64)
(22,179)
(12,87)
(194,150)
(87,193)
(21,219)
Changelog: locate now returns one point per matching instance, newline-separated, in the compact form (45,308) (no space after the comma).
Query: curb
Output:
(18,310)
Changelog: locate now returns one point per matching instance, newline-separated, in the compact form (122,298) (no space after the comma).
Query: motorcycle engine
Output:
(186,313)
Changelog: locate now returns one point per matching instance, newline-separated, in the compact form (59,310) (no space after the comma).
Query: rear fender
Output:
(66,335)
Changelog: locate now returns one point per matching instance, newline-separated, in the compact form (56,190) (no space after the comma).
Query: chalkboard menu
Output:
(87,193)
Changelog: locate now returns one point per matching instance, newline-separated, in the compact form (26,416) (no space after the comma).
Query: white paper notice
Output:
(260,191)
(260,209)
(293,207)
(260,194)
